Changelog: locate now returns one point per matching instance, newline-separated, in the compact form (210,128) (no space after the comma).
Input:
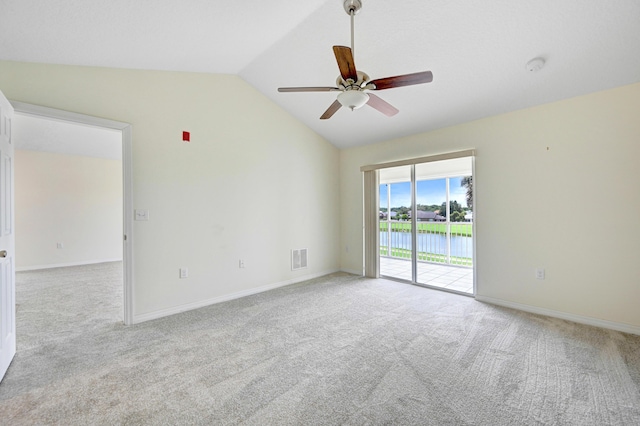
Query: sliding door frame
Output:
(371,256)
(371,198)
(414,226)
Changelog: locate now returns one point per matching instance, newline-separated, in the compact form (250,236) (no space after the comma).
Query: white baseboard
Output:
(225,298)
(625,328)
(349,271)
(63,265)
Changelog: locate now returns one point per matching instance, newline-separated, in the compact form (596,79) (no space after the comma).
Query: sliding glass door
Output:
(425,224)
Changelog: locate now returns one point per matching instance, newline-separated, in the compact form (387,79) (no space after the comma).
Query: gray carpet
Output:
(335,350)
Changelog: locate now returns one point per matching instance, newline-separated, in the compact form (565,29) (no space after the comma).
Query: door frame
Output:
(371,227)
(23,108)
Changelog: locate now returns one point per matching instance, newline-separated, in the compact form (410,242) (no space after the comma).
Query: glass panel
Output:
(395,222)
(444,237)
(460,206)
(431,198)
(443,231)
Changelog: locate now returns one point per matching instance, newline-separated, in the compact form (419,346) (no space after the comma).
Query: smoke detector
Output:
(535,64)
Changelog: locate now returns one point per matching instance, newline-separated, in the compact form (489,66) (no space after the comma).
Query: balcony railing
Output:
(439,242)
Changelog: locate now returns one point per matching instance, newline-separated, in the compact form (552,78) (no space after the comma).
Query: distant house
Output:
(468,217)
(383,215)
(425,216)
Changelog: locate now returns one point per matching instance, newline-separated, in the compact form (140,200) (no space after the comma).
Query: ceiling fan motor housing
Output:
(353,85)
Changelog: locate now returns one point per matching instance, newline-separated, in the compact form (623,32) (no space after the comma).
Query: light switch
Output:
(141,214)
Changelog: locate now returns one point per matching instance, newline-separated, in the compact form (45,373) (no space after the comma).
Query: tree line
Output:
(455,209)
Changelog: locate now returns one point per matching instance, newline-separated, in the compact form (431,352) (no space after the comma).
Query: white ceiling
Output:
(32,133)
(477,50)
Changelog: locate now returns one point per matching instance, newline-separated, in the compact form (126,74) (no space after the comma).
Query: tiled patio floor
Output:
(443,276)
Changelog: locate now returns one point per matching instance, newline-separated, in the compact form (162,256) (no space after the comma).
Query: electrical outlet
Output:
(141,214)
(540,274)
(184,272)
(59,245)
(241,264)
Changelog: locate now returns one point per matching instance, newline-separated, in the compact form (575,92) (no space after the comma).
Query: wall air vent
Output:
(298,259)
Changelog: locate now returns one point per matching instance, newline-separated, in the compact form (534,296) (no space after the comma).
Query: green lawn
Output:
(430,228)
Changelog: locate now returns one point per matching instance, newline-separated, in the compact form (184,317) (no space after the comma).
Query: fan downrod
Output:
(352,6)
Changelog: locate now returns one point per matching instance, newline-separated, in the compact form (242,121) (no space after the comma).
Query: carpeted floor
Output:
(335,350)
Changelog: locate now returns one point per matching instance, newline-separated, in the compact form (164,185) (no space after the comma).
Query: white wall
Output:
(252,184)
(73,200)
(556,187)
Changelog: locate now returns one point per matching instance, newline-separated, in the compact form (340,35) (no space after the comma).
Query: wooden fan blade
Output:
(331,110)
(381,105)
(347,66)
(308,89)
(402,80)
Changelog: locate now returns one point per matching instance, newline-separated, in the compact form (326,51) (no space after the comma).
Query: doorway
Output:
(426,224)
(31,112)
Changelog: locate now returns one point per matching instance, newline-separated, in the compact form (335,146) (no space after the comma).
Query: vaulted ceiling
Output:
(477,50)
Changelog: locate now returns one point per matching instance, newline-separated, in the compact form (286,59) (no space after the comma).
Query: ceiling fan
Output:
(354,85)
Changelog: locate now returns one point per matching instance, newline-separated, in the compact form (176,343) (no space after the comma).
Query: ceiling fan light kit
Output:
(353,99)
(353,83)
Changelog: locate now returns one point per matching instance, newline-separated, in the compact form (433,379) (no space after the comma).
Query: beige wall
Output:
(556,187)
(73,200)
(253,183)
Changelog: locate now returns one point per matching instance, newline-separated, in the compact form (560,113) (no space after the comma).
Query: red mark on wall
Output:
(186,137)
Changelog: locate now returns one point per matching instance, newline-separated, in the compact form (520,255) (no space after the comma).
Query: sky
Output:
(428,192)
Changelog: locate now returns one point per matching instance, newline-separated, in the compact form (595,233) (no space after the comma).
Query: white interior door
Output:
(7,241)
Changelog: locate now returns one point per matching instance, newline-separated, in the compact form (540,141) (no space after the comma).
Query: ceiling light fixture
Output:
(353,99)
